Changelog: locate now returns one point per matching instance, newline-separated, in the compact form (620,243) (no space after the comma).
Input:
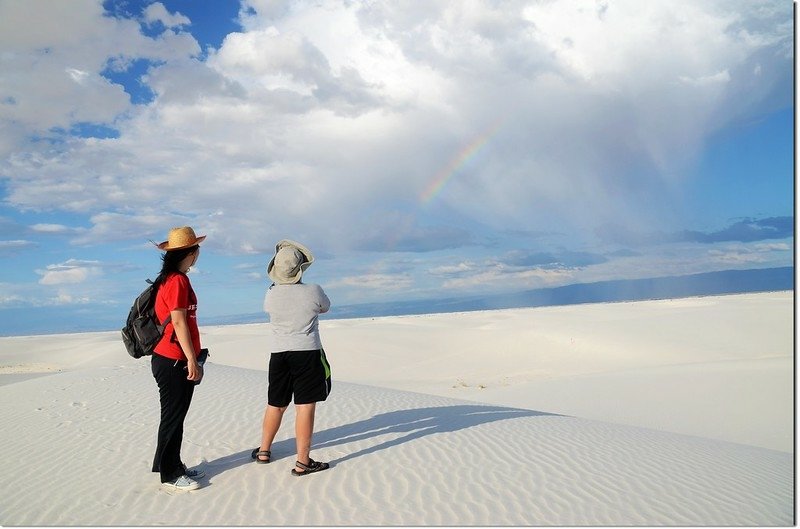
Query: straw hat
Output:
(290,261)
(180,238)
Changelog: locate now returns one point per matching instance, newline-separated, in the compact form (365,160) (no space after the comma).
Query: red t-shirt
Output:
(176,293)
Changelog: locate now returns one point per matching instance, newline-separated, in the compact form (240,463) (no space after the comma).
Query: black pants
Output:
(176,395)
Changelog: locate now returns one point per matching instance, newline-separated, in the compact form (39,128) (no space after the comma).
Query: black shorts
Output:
(304,374)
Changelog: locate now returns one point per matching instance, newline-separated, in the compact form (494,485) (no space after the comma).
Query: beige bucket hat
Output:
(290,261)
(180,238)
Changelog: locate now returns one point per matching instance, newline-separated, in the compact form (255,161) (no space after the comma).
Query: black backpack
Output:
(142,330)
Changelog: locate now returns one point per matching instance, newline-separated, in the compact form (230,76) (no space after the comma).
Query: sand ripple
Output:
(77,449)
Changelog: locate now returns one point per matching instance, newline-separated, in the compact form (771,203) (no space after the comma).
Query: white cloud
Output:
(735,256)
(72,271)
(326,121)
(58,277)
(384,282)
(78,76)
(64,298)
(9,300)
(156,12)
(53,55)
(15,245)
(772,247)
(503,278)
(459,268)
(38,23)
(708,80)
(114,227)
(745,254)
(51,228)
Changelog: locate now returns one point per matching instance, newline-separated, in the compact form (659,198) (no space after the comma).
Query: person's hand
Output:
(195,370)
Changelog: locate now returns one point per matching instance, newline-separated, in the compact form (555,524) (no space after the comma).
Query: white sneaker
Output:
(182,483)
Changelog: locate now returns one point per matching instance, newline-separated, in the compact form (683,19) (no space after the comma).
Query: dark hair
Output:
(171,260)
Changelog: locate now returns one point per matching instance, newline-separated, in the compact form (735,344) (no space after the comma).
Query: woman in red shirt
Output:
(174,361)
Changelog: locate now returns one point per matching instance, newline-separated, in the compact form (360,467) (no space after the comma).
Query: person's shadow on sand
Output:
(414,423)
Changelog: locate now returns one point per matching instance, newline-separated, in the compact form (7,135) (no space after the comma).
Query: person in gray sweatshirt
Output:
(297,366)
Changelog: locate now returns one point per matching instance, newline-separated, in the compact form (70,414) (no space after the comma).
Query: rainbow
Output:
(440,179)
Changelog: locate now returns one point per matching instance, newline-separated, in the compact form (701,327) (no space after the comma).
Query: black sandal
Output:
(258,454)
(310,468)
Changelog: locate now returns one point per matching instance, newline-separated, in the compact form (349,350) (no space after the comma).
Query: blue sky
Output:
(467,148)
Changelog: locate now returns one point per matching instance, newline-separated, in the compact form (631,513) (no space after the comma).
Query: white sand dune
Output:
(409,448)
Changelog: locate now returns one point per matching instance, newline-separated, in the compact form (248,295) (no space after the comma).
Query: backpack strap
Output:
(168,319)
